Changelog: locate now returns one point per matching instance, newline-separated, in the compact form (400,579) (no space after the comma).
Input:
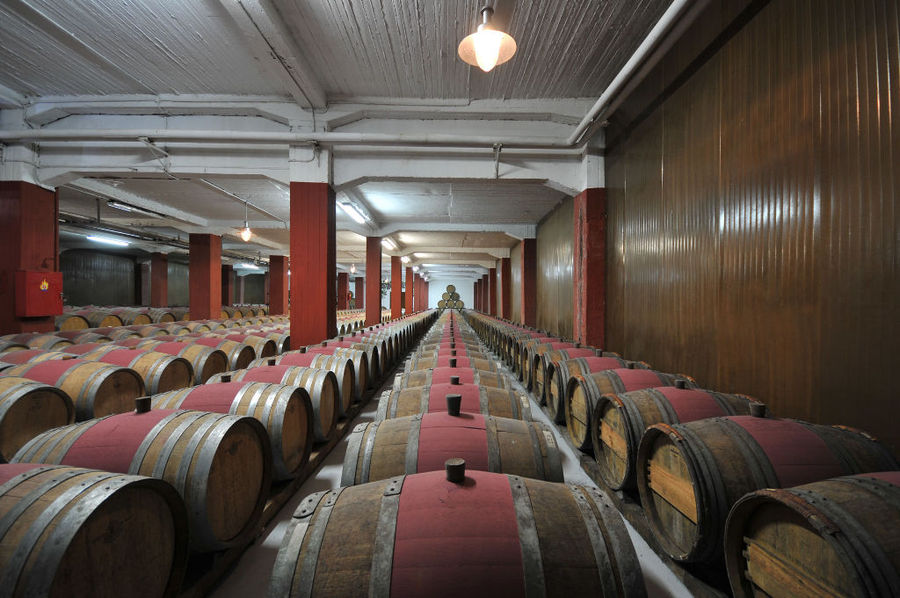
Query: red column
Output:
(529,282)
(360,293)
(228,278)
(396,286)
(505,287)
(313,265)
(205,276)
(485,294)
(409,290)
(492,277)
(425,296)
(159,280)
(589,272)
(475,295)
(373,280)
(29,240)
(278,285)
(478,294)
(343,287)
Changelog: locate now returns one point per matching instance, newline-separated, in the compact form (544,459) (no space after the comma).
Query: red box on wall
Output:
(38,293)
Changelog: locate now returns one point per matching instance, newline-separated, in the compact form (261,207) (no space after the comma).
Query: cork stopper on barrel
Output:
(456,470)
(225,378)
(453,362)
(757,409)
(454,380)
(302,350)
(142,405)
(681,383)
(454,403)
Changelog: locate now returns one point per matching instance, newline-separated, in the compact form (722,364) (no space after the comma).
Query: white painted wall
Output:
(438,286)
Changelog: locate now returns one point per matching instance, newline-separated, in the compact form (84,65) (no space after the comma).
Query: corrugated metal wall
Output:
(753,222)
(554,270)
(255,288)
(178,287)
(94,278)
(515,283)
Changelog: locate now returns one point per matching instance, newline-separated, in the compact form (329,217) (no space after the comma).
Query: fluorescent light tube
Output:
(353,212)
(389,243)
(108,241)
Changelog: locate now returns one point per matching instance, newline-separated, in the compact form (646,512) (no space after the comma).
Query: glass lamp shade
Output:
(486,48)
(246,233)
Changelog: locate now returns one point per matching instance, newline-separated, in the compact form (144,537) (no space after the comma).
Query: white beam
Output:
(10,98)
(95,187)
(272,45)
(498,252)
(517,231)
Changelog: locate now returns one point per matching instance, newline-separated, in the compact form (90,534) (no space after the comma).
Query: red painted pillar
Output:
(589,272)
(485,294)
(29,240)
(505,287)
(228,284)
(343,287)
(313,264)
(159,280)
(373,280)
(278,285)
(529,282)
(396,286)
(475,295)
(205,276)
(492,277)
(409,290)
(360,295)
(425,296)
(478,294)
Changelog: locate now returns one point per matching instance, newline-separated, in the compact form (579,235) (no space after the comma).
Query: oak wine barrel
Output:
(583,393)
(417,362)
(689,475)
(81,533)
(161,372)
(206,361)
(558,380)
(489,535)
(96,389)
(239,355)
(381,450)
(285,411)
(341,366)
(443,376)
(620,420)
(71,321)
(500,402)
(221,465)
(540,378)
(28,408)
(836,537)
(360,360)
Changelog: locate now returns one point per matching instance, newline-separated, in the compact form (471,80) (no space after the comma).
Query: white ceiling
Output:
(122,61)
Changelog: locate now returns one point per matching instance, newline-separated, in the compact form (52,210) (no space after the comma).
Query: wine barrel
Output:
(121,333)
(500,402)
(206,361)
(82,533)
(619,421)
(689,475)
(372,352)
(558,380)
(444,375)
(417,362)
(45,342)
(34,356)
(71,322)
(364,381)
(99,318)
(264,347)
(381,450)
(160,315)
(11,347)
(86,336)
(321,385)
(490,535)
(132,317)
(341,366)
(285,411)
(221,465)
(523,346)
(161,372)
(28,408)
(837,537)
(149,330)
(540,378)
(532,361)
(583,393)
(96,389)
(239,355)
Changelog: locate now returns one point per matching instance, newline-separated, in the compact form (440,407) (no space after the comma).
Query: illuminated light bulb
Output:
(487,47)
(246,233)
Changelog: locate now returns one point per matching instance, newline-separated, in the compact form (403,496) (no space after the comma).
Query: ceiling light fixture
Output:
(246,233)
(389,243)
(108,241)
(249,266)
(353,212)
(118,205)
(487,47)
(405,259)
(415,268)
(352,268)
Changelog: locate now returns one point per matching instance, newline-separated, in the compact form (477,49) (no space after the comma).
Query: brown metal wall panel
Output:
(753,221)
(178,278)
(554,270)
(515,284)
(94,278)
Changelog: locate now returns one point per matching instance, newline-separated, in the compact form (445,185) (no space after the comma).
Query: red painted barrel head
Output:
(443,436)
(300,359)
(691,404)
(213,397)
(637,379)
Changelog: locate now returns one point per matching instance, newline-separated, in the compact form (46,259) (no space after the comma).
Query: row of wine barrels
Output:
(619,421)
(321,385)
(499,402)
(67,531)
(380,450)
(341,366)
(446,375)
(563,371)
(33,356)
(219,464)
(11,346)
(488,535)
(47,342)
(286,412)
(690,475)
(206,361)
(364,377)
(161,372)
(96,388)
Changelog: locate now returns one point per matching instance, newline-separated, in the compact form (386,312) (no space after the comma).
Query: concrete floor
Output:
(250,576)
